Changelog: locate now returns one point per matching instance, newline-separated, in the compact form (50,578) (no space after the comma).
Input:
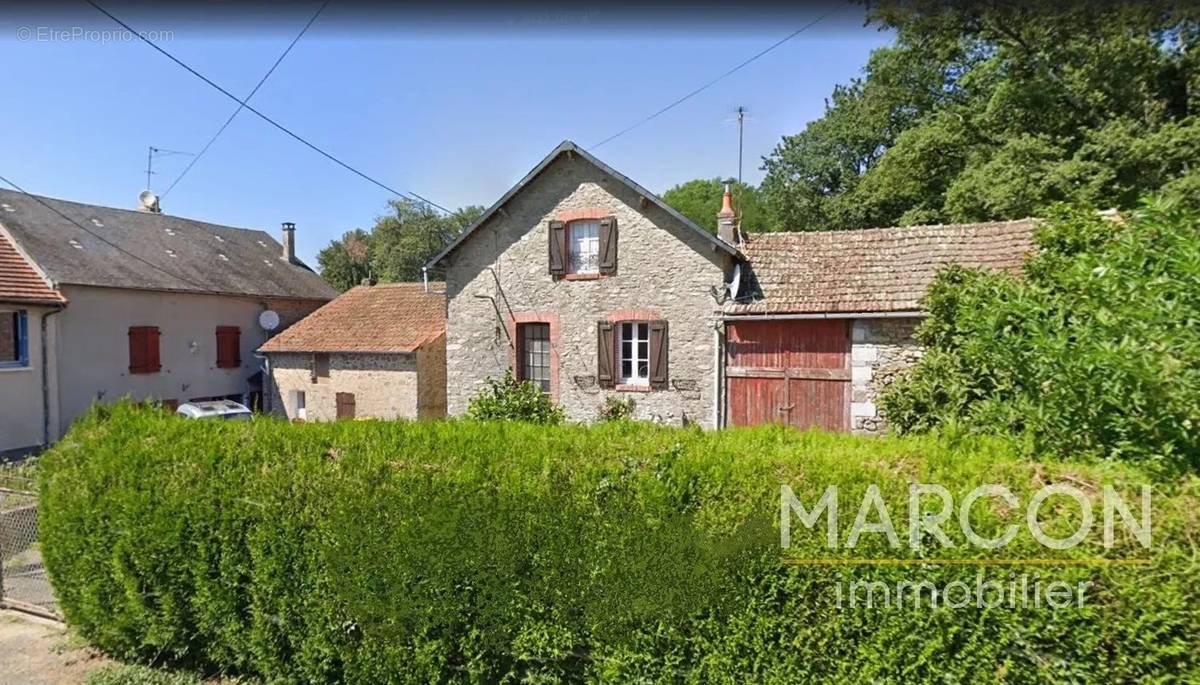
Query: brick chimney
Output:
(289,241)
(727,223)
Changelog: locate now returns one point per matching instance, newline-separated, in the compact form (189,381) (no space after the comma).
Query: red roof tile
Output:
(388,317)
(18,280)
(870,270)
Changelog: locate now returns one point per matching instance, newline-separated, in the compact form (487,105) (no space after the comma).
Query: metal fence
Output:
(24,584)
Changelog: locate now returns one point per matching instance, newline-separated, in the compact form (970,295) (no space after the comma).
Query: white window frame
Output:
(299,405)
(637,333)
(576,251)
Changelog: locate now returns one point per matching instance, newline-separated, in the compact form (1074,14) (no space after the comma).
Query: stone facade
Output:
(499,277)
(880,348)
(385,386)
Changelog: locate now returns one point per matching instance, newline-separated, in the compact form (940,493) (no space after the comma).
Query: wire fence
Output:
(24,583)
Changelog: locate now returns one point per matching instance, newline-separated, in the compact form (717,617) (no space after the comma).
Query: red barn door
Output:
(793,372)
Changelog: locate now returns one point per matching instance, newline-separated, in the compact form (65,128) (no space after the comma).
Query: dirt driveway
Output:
(34,651)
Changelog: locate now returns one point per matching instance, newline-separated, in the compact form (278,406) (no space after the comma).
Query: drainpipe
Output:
(425,277)
(46,379)
(717,390)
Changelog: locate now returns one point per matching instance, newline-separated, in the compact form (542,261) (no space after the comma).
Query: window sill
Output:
(624,387)
(14,367)
(582,277)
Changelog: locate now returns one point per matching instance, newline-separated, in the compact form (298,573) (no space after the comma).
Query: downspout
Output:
(718,391)
(425,277)
(46,379)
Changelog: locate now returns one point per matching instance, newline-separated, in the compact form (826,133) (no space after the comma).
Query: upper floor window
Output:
(14,339)
(585,247)
(229,347)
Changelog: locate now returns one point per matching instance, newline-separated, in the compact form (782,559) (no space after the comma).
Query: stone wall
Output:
(880,348)
(499,276)
(384,385)
(431,379)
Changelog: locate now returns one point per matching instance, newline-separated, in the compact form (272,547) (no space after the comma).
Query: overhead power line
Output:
(716,80)
(106,241)
(242,106)
(266,118)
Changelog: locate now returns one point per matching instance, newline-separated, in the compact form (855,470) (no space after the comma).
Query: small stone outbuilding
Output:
(377,351)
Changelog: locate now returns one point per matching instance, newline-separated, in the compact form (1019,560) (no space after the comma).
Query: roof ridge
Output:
(880,229)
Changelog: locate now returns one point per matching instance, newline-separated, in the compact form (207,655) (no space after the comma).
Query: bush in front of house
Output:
(463,551)
(509,399)
(1093,350)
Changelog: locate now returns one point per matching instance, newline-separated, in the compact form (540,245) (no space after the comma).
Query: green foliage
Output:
(139,675)
(985,111)
(617,408)
(700,200)
(1094,351)
(459,551)
(396,248)
(509,399)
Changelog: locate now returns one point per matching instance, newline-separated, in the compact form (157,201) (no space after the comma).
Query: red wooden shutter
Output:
(558,248)
(659,354)
(606,350)
(608,245)
(152,360)
(229,347)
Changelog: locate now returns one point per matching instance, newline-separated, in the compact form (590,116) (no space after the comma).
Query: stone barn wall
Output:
(880,348)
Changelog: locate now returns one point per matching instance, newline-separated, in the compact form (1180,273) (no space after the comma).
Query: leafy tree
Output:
(346,262)
(700,200)
(399,244)
(986,111)
(1093,350)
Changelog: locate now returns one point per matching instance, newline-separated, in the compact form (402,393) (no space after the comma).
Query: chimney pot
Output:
(727,223)
(289,241)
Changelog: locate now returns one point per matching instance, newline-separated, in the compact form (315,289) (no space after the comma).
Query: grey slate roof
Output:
(123,248)
(569,146)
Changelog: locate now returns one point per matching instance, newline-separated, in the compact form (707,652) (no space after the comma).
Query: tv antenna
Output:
(159,152)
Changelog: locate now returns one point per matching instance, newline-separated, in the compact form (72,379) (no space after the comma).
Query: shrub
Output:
(1094,350)
(509,399)
(139,675)
(617,409)
(463,551)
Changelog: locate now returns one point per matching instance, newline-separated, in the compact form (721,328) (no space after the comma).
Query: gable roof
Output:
(869,270)
(383,318)
(19,282)
(122,248)
(568,146)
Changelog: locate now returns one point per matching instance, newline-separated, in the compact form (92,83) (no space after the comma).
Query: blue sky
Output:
(455,113)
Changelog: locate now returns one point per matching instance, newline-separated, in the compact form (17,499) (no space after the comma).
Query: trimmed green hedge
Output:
(370,552)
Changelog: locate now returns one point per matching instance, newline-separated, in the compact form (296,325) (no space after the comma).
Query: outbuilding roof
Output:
(869,270)
(383,318)
(79,244)
(569,147)
(19,282)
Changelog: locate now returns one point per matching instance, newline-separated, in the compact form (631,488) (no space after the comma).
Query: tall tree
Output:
(996,110)
(399,244)
(700,200)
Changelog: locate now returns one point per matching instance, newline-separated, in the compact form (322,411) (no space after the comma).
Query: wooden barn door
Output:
(792,372)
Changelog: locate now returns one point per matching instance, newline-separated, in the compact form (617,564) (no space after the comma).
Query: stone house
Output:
(586,283)
(98,303)
(377,351)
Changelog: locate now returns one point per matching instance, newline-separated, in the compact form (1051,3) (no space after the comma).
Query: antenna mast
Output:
(152,152)
(741,114)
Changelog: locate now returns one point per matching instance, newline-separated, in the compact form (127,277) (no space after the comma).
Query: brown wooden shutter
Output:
(558,248)
(229,352)
(608,245)
(143,349)
(345,405)
(659,353)
(606,351)
(152,360)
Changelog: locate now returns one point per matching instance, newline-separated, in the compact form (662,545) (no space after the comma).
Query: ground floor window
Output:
(298,405)
(634,354)
(533,354)
(14,339)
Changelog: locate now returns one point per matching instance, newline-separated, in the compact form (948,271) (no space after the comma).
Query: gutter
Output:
(46,379)
(911,314)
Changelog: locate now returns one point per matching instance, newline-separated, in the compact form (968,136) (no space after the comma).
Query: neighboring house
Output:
(144,305)
(377,351)
(586,283)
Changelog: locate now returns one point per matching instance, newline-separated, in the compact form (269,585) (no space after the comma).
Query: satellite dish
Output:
(269,320)
(148,201)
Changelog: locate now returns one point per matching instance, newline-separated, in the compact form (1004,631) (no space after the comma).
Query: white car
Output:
(220,409)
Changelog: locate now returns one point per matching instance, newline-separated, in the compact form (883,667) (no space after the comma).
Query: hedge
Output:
(373,552)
